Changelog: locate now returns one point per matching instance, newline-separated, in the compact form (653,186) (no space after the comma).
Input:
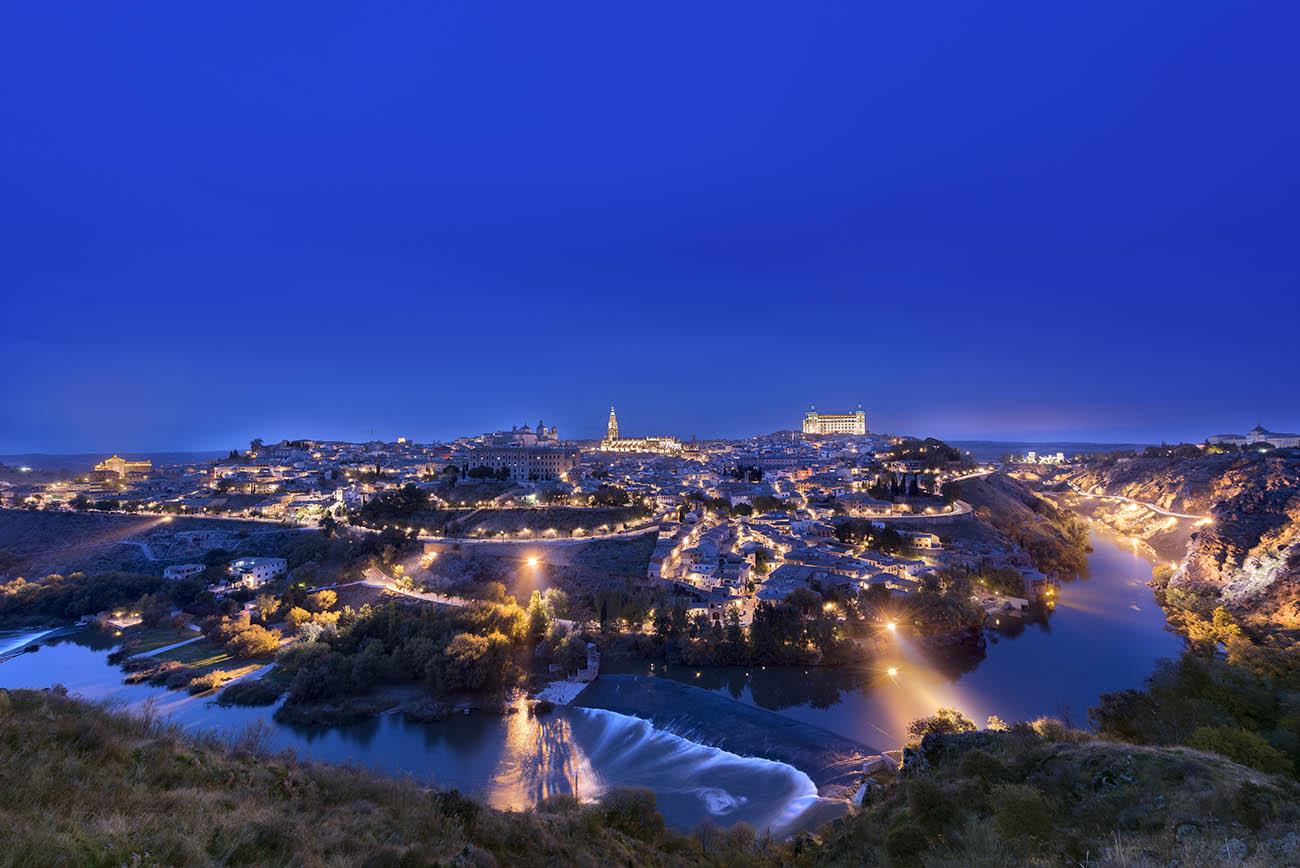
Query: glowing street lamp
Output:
(892,671)
(532,560)
(892,627)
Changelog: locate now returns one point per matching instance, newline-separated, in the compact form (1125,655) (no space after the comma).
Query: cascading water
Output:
(693,782)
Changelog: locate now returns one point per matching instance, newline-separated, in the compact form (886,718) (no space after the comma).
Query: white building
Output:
(1258,434)
(835,423)
(182,571)
(255,572)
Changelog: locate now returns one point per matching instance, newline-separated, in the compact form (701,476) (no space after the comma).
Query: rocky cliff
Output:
(1244,556)
(1054,539)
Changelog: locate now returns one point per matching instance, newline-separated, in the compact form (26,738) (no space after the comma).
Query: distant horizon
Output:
(135,453)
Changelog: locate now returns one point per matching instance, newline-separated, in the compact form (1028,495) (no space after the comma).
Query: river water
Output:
(723,745)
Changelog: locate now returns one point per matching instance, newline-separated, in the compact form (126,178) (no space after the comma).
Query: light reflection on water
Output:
(1106,634)
(511,761)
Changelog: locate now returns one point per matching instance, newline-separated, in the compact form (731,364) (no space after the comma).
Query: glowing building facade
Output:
(835,423)
(614,443)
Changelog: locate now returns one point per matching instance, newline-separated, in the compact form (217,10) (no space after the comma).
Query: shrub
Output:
(209,681)
(945,721)
(1022,812)
(1051,729)
(253,641)
(250,691)
(929,806)
(982,766)
(1240,746)
(633,812)
(905,844)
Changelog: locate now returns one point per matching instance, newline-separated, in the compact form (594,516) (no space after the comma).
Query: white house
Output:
(255,572)
(182,571)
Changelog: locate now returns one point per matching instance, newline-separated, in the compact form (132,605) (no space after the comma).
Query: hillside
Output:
(83,786)
(1247,559)
(1054,539)
(80,785)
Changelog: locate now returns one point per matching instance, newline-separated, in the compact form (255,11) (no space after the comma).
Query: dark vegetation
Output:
(83,785)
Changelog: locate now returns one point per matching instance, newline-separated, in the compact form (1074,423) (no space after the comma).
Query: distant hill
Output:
(87,460)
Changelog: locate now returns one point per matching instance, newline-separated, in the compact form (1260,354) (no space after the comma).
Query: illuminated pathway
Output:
(1151,506)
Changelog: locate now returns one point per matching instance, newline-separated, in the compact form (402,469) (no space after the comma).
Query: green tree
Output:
(945,721)
(539,619)
(1240,746)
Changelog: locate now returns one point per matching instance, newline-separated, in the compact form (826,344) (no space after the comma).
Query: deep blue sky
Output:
(1015,220)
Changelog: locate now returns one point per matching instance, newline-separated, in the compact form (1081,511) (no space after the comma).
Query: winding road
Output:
(1151,506)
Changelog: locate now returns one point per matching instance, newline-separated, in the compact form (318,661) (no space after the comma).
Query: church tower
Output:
(611,430)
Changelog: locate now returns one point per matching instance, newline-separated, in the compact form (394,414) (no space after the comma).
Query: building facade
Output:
(124,467)
(1258,434)
(835,423)
(614,443)
(522,463)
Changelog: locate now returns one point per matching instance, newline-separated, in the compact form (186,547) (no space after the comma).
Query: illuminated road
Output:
(1151,506)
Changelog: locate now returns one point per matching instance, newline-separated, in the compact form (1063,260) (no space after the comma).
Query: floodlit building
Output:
(835,423)
(614,443)
(254,572)
(522,463)
(124,467)
(1258,434)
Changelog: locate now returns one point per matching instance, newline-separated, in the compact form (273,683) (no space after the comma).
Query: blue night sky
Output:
(1017,220)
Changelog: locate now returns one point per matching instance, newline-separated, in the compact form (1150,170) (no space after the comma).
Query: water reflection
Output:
(1105,634)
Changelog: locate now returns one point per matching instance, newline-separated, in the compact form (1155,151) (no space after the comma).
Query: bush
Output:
(1022,812)
(929,806)
(253,641)
(905,844)
(982,766)
(945,721)
(209,681)
(633,812)
(250,691)
(1240,746)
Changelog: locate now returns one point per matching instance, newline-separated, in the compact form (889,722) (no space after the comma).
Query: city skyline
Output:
(715,222)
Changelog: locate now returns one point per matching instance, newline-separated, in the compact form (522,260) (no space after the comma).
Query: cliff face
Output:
(1055,540)
(1250,555)
(1247,559)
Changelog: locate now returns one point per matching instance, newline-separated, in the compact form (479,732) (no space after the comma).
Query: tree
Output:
(945,721)
(297,617)
(329,525)
(80,502)
(539,620)
(322,600)
(267,605)
(1240,746)
(253,641)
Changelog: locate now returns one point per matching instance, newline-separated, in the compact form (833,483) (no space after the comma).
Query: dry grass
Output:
(81,785)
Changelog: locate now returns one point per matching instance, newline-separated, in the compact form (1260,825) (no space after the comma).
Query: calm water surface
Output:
(1106,634)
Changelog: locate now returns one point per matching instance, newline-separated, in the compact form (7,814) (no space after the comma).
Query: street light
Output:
(892,671)
(532,561)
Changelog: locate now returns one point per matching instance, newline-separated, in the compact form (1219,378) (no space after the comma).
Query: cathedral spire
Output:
(611,430)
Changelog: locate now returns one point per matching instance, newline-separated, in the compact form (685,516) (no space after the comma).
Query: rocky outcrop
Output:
(1246,558)
(1250,555)
(1055,540)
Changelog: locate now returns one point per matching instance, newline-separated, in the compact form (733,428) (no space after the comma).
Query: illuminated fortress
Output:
(835,423)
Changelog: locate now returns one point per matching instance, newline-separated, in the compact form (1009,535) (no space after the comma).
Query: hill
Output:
(83,785)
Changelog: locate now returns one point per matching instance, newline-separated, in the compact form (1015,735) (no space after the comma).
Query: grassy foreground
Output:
(83,785)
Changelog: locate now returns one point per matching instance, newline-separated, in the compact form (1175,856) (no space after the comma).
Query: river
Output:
(726,744)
